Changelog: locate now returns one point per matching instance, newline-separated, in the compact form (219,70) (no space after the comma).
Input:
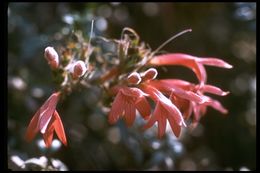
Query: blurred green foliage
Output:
(222,30)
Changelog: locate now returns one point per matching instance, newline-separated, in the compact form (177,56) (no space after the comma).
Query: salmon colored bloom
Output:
(132,80)
(125,104)
(200,109)
(194,63)
(170,87)
(164,110)
(55,124)
(189,97)
(46,120)
(176,100)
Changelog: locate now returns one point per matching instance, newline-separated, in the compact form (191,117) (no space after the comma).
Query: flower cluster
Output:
(175,99)
(47,120)
(129,79)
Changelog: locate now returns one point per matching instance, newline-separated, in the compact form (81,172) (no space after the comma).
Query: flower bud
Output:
(52,57)
(149,74)
(79,69)
(134,78)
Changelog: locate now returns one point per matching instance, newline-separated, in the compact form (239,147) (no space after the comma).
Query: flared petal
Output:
(161,120)
(213,90)
(47,110)
(183,60)
(166,86)
(188,111)
(32,129)
(143,107)
(203,74)
(151,121)
(156,95)
(214,62)
(176,129)
(175,113)
(164,110)
(48,135)
(58,127)
(126,102)
(42,117)
(217,105)
(203,109)
(43,129)
(196,111)
(129,114)
(178,83)
(160,117)
(117,108)
(183,105)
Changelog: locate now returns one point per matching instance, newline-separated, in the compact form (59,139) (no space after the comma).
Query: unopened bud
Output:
(79,69)
(52,57)
(149,74)
(134,78)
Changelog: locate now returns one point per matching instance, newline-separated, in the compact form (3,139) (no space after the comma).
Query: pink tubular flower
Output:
(46,120)
(164,110)
(176,100)
(168,87)
(189,97)
(199,110)
(125,104)
(194,63)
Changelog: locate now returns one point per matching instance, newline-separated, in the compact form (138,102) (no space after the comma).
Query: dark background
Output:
(223,30)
